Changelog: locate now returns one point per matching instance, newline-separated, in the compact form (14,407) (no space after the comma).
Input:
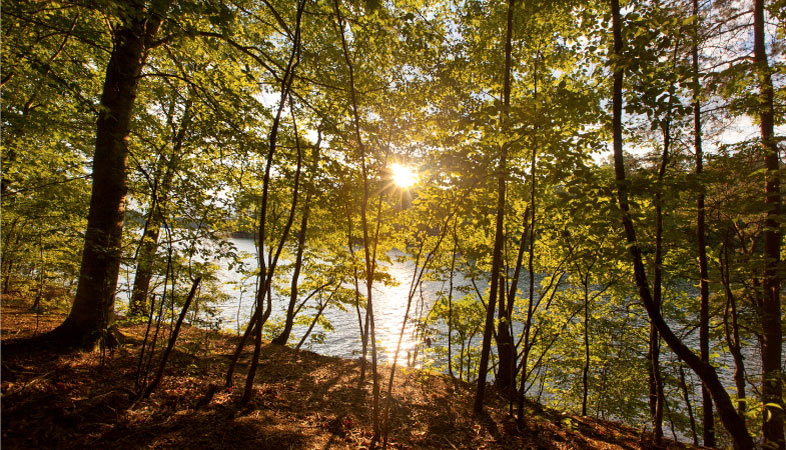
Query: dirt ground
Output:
(302,401)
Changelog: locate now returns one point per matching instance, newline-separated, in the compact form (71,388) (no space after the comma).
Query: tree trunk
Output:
(369,253)
(137,304)
(499,235)
(93,307)
(7,259)
(505,346)
(772,332)
(708,418)
(734,424)
(266,273)
(282,338)
(585,371)
(322,307)
(732,330)
(530,266)
(688,405)
(450,303)
(172,338)
(657,397)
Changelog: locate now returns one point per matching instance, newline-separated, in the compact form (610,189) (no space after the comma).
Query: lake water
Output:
(390,303)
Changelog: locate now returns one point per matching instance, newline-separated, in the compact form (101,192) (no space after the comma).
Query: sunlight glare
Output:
(403,176)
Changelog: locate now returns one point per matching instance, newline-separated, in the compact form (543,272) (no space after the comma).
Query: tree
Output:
(772,330)
(499,238)
(731,420)
(701,232)
(133,38)
(49,88)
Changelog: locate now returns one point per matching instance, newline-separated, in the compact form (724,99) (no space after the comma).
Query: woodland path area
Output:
(303,401)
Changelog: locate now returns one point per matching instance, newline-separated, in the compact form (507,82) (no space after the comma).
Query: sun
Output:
(403,176)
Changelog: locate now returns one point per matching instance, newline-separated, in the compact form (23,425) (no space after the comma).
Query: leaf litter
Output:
(302,401)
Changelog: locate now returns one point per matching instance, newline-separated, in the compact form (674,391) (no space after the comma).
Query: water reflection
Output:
(390,304)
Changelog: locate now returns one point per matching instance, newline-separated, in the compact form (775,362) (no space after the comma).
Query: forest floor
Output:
(302,401)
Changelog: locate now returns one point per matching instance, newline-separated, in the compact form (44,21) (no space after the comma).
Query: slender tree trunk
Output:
(689,406)
(530,264)
(93,307)
(7,259)
(173,337)
(362,325)
(732,330)
(250,331)
(137,304)
(41,279)
(506,348)
(734,424)
(319,313)
(772,331)
(266,273)
(585,371)
(656,383)
(370,260)
(708,418)
(450,302)
(282,338)
(499,235)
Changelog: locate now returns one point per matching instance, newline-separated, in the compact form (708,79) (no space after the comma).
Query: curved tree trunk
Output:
(734,424)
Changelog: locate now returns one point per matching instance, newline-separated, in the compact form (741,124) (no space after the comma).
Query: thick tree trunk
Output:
(93,307)
(734,424)
(772,332)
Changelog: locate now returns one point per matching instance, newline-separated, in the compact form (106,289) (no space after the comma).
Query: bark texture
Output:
(772,337)
(93,307)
